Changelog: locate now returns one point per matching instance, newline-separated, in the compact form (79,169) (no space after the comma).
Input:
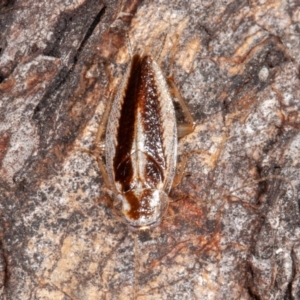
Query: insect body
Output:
(141,145)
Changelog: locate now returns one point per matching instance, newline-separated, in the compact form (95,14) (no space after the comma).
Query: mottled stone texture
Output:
(233,230)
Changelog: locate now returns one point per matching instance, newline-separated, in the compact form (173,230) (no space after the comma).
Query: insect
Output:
(141,145)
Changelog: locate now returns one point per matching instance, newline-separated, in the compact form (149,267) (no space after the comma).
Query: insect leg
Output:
(102,125)
(189,126)
(180,171)
(98,150)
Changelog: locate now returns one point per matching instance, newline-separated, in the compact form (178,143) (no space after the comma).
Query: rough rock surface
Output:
(233,231)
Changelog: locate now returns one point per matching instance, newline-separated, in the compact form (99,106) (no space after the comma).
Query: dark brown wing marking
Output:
(148,101)
(125,137)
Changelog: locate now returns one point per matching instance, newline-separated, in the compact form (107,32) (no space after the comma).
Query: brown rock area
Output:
(233,229)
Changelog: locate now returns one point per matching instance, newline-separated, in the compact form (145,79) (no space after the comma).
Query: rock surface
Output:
(232,231)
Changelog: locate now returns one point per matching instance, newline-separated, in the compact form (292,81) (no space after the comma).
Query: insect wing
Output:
(141,134)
